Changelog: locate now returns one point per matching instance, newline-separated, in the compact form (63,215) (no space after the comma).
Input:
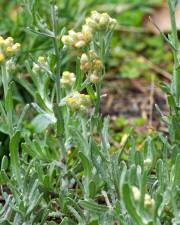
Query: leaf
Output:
(92,189)
(91,92)
(177,84)
(75,213)
(34,202)
(41,122)
(130,207)
(27,85)
(177,171)
(86,164)
(79,76)
(4,163)
(60,120)
(160,174)
(93,207)
(9,108)
(14,156)
(22,116)
(41,102)
(4,179)
(105,141)
(67,221)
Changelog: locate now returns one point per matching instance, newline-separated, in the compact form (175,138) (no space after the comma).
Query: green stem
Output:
(58,72)
(174,31)
(176,71)
(98,101)
(5,79)
(58,55)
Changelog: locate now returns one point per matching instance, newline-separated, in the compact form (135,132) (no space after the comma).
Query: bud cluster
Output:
(77,101)
(91,62)
(8,48)
(36,67)
(93,23)
(78,39)
(147,162)
(99,21)
(67,79)
(148,201)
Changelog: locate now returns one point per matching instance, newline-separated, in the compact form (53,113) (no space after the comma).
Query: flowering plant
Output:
(59,168)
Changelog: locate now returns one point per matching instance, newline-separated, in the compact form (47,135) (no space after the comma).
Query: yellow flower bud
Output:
(95,16)
(67,79)
(148,201)
(104,20)
(84,58)
(94,77)
(97,64)
(147,162)
(87,32)
(84,63)
(136,193)
(67,40)
(91,23)
(9,50)
(72,34)
(92,54)
(112,23)
(36,68)
(80,36)
(41,60)
(16,47)
(80,44)
(70,101)
(8,41)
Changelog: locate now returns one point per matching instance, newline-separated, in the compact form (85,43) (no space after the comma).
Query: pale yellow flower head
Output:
(68,79)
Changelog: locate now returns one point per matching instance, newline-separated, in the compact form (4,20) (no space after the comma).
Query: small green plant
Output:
(59,168)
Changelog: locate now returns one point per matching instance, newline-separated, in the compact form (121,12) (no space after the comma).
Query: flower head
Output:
(136,193)
(8,48)
(77,101)
(67,79)
(148,201)
(94,78)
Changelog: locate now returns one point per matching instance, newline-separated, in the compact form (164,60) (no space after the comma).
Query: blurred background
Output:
(139,57)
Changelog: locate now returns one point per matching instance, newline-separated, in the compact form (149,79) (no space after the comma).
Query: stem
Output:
(5,79)
(57,53)
(174,30)
(98,92)
(57,75)
(176,70)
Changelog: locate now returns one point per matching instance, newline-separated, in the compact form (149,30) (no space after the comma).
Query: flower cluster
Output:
(147,162)
(136,193)
(148,201)
(91,62)
(98,21)
(36,67)
(93,23)
(8,48)
(77,101)
(78,39)
(67,79)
